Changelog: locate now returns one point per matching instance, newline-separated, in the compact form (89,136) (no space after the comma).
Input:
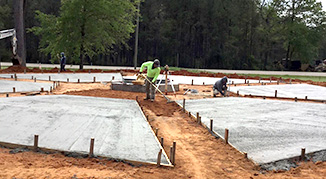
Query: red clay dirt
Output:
(198,153)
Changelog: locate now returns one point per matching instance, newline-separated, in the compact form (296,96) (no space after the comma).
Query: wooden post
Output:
(192,82)
(50,89)
(137,98)
(35,79)
(166,83)
(147,117)
(35,143)
(245,155)
(270,79)
(156,131)
(203,83)
(91,149)
(162,141)
(159,158)
(232,82)
(67,79)
(226,136)
(94,79)
(174,148)
(306,98)
(211,126)
(171,155)
(295,99)
(7,95)
(197,116)
(238,93)
(78,81)
(245,79)
(32,77)
(49,78)
(11,76)
(199,120)
(13,89)
(303,153)
(275,93)
(278,82)
(112,78)
(189,114)
(264,97)
(15,77)
(42,89)
(54,85)
(184,105)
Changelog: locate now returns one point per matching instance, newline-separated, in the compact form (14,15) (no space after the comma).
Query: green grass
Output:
(312,78)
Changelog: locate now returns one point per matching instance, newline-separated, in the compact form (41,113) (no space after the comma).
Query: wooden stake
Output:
(91,149)
(199,120)
(7,95)
(278,82)
(94,79)
(78,81)
(35,143)
(171,154)
(270,79)
(189,114)
(112,78)
(162,141)
(42,89)
(238,93)
(156,131)
(174,148)
(184,105)
(159,158)
(303,153)
(32,77)
(137,98)
(259,80)
(166,83)
(275,93)
(211,126)
(67,79)
(13,89)
(306,98)
(49,78)
(192,82)
(245,155)
(203,83)
(197,116)
(226,136)
(35,79)
(13,76)
(295,99)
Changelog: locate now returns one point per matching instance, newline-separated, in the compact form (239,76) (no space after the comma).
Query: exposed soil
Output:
(198,153)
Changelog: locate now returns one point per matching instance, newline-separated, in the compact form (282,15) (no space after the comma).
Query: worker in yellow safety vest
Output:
(153,70)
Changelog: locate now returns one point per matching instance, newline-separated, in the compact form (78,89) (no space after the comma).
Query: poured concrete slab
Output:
(73,77)
(68,123)
(268,130)
(197,80)
(22,86)
(288,91)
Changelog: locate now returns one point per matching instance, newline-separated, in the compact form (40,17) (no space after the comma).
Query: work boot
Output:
(152,100)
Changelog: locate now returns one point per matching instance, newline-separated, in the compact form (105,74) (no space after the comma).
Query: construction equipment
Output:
(145,77)
(11,33)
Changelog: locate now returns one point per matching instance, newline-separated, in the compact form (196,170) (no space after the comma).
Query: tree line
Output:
(228,34)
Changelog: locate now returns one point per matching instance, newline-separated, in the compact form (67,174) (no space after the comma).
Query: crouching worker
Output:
(153,70)
(220,86)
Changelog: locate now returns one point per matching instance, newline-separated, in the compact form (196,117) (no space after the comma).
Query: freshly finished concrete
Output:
(73,77)
(67,123)
(289,91)
(22,86)
(268,130)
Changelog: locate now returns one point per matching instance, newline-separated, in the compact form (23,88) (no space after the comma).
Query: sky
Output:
(323,2)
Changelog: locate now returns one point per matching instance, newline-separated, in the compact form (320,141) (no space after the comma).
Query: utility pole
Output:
(136,37)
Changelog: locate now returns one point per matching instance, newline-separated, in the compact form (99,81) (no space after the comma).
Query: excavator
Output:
(11,33)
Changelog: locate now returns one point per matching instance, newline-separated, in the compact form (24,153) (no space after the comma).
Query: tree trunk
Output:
(20,30)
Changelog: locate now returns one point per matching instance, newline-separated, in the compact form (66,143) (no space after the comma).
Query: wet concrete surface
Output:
(67,123)
(22,86)
(268,130)
(288,91)
(73,77)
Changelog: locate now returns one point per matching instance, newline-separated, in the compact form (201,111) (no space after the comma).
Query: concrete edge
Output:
(163,151)
(214,133)
(75,154)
